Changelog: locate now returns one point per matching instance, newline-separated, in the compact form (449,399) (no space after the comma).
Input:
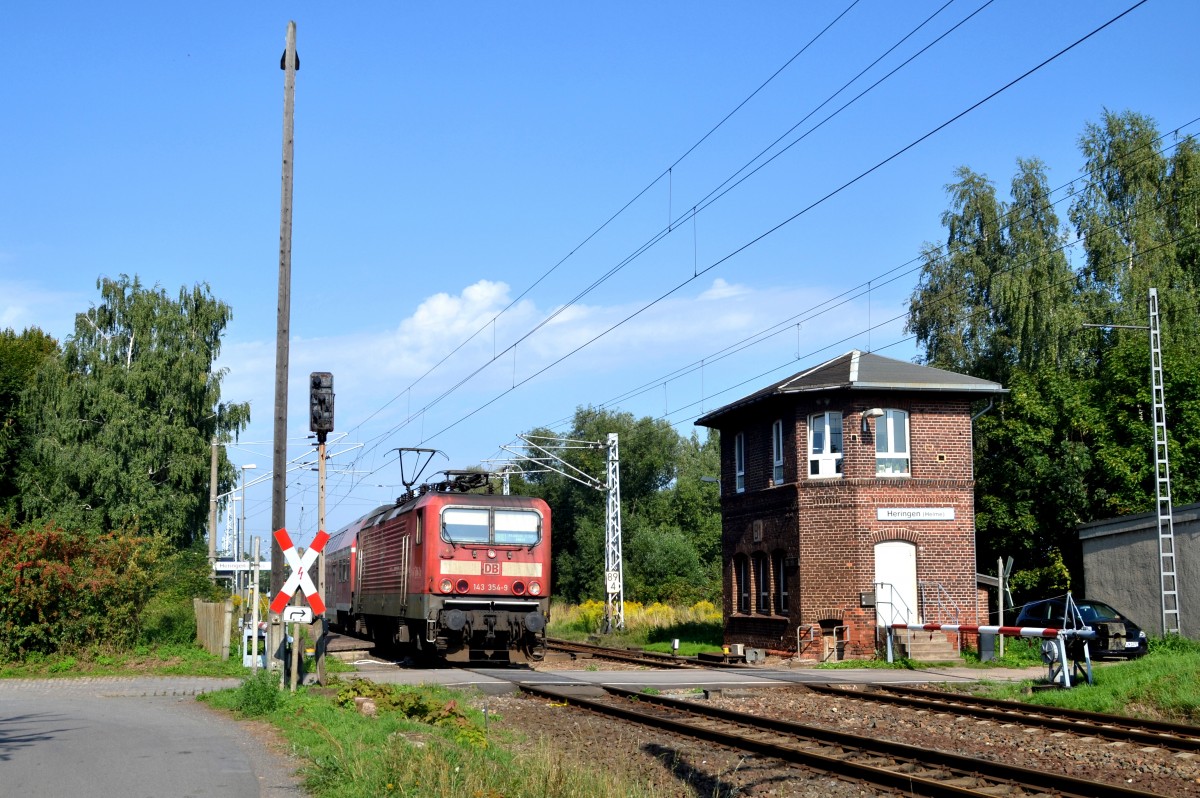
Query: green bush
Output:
(169,617)
(1173,644)
(259,695)
(419,705)
(63,591)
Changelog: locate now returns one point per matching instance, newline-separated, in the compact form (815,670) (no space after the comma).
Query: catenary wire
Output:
(795,216)
(781,224)
(821,308)
(666,172)
(663,232)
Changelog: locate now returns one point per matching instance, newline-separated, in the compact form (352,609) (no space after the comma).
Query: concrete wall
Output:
(1120,567)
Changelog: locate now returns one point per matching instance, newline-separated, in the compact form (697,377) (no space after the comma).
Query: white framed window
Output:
(739,461)
(777,450)
(741,583)
(778,565)
(762,584)
(825,444)
(891,444)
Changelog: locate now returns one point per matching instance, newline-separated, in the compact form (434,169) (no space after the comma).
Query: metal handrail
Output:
(942,607)
(942,600)
(812,630)
(882,624)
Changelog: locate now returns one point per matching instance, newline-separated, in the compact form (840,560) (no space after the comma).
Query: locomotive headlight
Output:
(463,586)
(535,588)
(447,586)
(518,588)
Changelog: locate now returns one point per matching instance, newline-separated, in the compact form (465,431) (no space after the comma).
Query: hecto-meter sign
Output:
(300,577)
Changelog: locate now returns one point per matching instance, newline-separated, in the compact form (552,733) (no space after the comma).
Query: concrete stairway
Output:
(925,646)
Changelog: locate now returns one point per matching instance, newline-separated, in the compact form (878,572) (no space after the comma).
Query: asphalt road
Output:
(131,738)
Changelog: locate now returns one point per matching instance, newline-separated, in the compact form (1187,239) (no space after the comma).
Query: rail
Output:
(908,769)
(806,636)
(890,609)
(1114,728)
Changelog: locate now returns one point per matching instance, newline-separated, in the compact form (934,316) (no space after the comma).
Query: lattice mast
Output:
(614,569)
(1162,481)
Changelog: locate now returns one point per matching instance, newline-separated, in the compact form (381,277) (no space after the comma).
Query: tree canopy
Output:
(1006,298)
(116,430)
(21,355)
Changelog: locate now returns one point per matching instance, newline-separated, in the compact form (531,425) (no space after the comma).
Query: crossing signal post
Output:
(320,412)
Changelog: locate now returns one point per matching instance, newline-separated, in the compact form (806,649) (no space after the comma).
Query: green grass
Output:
(694,636)
(1164,684)
(164,660)
(1019,652)
(880,663)
(176,659)
(698,627)
(424,741)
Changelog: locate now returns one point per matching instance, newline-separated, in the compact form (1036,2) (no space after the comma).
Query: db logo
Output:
(491,568)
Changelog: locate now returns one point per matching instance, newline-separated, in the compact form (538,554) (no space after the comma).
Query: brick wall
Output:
(820,534)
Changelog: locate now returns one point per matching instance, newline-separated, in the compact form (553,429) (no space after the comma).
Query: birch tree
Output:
(117,431)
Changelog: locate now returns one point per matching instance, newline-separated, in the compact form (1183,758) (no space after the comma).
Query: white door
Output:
(896,582)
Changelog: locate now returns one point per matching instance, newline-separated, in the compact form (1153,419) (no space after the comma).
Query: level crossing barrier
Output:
(1060,671)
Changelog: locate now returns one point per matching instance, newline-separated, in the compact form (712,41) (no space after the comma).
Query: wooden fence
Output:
(214,625)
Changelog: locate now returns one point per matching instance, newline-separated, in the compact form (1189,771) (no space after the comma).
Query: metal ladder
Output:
(1162,480)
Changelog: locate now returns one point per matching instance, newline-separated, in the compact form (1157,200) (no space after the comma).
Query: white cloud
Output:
(374,370)
(723,290)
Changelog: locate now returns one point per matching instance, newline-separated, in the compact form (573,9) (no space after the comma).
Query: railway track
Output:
(647,658)
(1115,728)
(901,768)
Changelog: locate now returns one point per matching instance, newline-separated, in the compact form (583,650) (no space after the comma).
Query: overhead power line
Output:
(717,193)
(772,229)
(665,173)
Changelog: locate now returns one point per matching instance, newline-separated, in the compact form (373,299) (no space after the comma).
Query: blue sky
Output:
(453,161)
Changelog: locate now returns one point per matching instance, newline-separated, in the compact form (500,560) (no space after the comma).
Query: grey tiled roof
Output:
(864,371)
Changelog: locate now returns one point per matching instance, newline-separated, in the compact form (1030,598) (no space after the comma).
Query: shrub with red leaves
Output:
(65,591)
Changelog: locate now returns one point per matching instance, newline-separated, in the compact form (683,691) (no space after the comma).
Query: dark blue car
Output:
(1117,636)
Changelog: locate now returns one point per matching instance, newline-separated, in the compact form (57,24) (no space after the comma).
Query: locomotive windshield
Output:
(517,527)
(481,525)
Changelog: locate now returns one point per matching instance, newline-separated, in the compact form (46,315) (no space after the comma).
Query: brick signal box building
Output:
(847,503)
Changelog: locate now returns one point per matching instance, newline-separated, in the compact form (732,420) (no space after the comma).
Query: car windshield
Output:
(1097,611)
(1053,612)
(1042,612)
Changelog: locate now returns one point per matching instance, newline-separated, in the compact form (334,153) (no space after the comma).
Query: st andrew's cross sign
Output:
(300,578)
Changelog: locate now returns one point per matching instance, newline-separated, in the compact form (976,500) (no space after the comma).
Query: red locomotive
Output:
(455,575)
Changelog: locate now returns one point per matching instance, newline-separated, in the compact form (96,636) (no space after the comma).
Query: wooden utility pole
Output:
(283,328)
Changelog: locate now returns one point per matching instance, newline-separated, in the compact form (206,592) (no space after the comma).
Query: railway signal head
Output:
(320,403)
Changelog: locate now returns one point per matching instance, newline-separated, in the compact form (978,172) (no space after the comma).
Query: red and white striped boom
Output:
(1007,631)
